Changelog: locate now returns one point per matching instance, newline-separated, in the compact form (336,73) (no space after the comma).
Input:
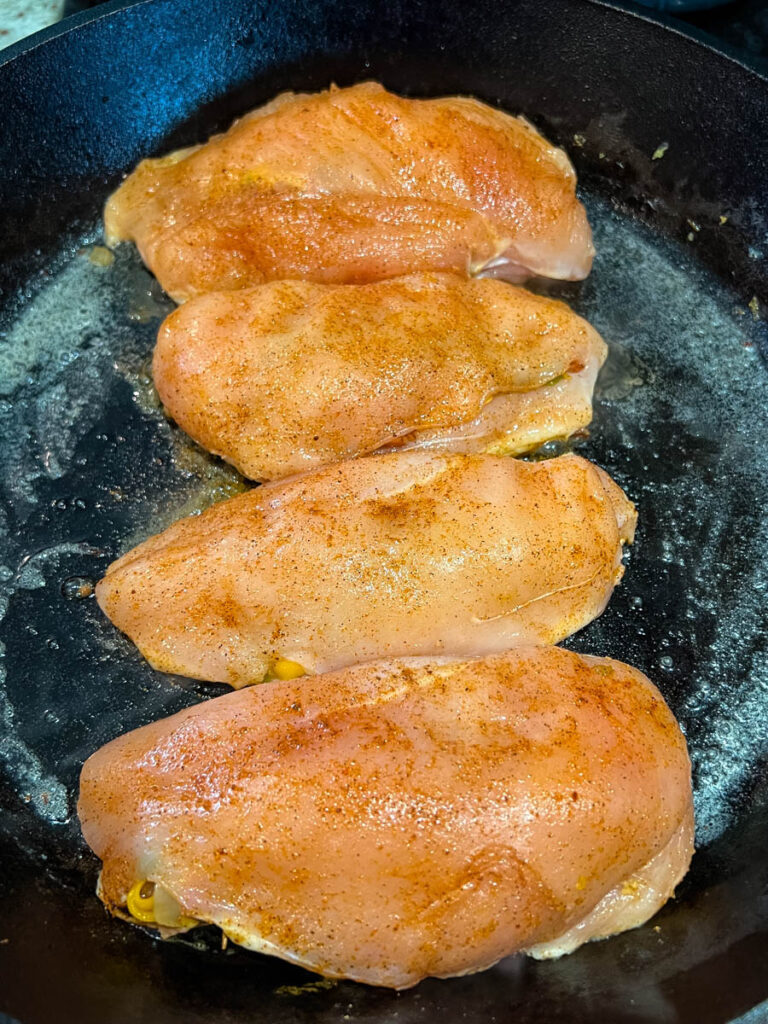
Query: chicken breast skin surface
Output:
(287,376)
(387,556)
(403,819)
(354,185)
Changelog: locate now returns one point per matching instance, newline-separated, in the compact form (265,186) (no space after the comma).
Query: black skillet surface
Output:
(89,465)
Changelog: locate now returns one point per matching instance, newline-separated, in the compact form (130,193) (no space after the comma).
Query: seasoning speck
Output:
(100,256)
(311,986)
(660,150)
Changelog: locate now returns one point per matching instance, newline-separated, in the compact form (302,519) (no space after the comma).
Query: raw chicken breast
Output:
(387,556)
(355,185)
(403,818)
(290,375)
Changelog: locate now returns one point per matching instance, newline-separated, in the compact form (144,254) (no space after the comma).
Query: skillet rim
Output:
(622,8)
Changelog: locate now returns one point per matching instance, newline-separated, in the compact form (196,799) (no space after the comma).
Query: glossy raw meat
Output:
(290,375)
(355,185)
(391,555)
(405,818)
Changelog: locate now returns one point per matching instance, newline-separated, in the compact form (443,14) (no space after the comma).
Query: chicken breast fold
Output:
(388,556)
(353,185)
(291,375)
(407,818)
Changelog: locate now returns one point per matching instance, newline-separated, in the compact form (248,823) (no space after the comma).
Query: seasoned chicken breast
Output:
(291,375)
(403,818)
(355,185)
(387,556)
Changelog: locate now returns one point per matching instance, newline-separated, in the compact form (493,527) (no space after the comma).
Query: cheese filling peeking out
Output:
(150,903)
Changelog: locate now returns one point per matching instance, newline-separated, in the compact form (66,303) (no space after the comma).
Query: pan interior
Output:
(90,466)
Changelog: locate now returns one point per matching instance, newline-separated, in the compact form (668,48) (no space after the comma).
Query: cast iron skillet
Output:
(89,465)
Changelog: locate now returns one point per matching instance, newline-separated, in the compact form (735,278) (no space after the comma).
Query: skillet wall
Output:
(82,108)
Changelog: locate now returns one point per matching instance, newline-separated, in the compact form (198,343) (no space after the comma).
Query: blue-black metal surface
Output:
(671,143)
